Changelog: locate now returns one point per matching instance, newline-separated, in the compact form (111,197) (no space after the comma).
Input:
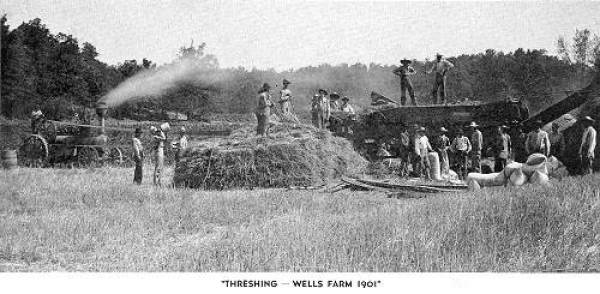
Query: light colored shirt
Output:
(159,141)
(476,141)
(441,67)
(138,149)
(461,143)
(183,142)
(537,141)
(286,95)
(504,146)
(325,107)
(588,142)
(404,71)
(347,109)
(422,146)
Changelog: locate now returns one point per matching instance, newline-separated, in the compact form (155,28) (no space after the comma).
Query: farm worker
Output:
(36,119)
(404,151)
(334,108)
(325,107)
(159,153)
(476,146)
(502,148)
(349,113)
(557,141)
(317,114)
(263,109)
(181,144)
(441,145)
(461,146)
(440,67)
(382,151)
(414,158)
(518,142)
(587,148)
(537,141)
(285,98)
(405,85)
(422,149)
(138,156)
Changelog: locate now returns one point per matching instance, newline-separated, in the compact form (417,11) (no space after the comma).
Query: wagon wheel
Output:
(34,151)
(116,156)
(47,130)
(87,156)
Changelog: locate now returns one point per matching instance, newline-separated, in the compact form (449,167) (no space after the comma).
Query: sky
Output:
(291,34)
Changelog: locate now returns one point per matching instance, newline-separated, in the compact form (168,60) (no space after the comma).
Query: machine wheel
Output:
(34,151)
(115,156)
(47,130)
(87,156)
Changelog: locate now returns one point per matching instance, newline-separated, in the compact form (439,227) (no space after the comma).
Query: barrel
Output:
(9,159)
(434,160)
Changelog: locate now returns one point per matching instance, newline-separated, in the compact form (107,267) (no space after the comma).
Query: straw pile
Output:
(294,155)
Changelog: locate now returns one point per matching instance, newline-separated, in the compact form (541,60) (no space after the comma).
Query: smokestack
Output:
(101,110)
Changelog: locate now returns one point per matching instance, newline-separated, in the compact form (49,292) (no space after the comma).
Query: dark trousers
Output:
(263,124)
(587,164)
(317,119)
(406,85)
(476,161)
(461,164)
(138,172)
(499,164)
(439,85)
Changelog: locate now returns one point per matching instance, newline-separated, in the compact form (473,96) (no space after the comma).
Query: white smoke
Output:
(154,82)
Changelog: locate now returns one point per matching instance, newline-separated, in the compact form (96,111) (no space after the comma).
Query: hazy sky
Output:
(282,34)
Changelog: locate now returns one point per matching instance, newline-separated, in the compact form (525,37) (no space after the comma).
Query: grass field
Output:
(96,220)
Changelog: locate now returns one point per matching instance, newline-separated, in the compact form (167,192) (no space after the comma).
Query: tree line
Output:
(61,76)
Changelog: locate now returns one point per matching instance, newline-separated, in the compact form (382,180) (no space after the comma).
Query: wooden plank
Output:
(416,188)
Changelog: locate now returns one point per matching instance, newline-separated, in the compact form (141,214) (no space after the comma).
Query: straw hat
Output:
(182,129)
(443,130)
(473,125)
(165,127)
(334,96)
(153,129)
(286,82)
(345,98)
(138,130)
(403,61)
(421,129)
(323,91)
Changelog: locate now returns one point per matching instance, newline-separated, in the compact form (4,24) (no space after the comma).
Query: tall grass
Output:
(95,220)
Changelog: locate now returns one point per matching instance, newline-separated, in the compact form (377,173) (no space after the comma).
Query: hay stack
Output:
(295,155)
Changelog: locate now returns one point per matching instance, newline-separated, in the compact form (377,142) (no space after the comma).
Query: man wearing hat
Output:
(405,85)
(180,144)
(285,98)
(159,138)
(441,145)
(325,107)
(422,149)
(349,113)
(316,112)
(440,68)
(461,146)
(138,156)
(537,141)
(263,109)
(334,106)
(587,149)
(518,138)
(502,148)
(477,146)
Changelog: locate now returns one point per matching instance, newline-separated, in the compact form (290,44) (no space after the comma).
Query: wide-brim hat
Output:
(473,125)
(153,129)
(323,91)
(405,61)
(182,129)
(286,82)
(345,98)
(504,127)
(588,118)
(334,96)
(421,129)
(138,130)
(439,54)
(443,130)
(265,87)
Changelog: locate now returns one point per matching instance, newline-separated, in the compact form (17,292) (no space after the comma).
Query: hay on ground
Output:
(293,155)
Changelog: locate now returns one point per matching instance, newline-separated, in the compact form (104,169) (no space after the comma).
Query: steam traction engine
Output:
(55,143)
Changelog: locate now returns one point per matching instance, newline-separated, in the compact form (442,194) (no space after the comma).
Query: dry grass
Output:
(95,220)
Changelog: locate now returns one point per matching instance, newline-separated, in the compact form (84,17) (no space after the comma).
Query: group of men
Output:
(467,151)
(440,68)
(327,111)
(158,151)
(265,105)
